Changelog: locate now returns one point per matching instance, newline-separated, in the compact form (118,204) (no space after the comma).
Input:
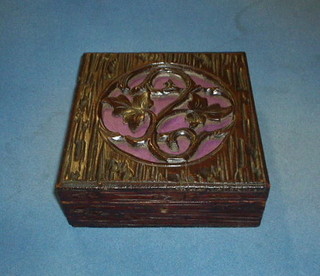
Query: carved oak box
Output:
(163,139)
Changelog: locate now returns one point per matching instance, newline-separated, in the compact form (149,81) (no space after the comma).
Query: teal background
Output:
(41,43)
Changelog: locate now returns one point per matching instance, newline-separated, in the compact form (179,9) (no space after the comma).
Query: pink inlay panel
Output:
(166,111)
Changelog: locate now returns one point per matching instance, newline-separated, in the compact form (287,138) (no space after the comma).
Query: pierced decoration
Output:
(167,114)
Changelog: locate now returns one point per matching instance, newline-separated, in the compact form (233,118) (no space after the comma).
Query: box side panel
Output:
(144,208)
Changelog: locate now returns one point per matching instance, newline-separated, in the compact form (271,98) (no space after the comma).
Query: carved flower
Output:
(200,111)
(132,113)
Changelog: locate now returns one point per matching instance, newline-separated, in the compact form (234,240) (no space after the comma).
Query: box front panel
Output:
(138,208)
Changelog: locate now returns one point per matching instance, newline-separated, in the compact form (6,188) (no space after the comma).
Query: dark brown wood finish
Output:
(99,186)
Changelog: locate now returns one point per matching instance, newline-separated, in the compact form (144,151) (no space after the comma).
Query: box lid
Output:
(164,120)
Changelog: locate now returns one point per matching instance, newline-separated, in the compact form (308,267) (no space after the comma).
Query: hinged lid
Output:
(157,120)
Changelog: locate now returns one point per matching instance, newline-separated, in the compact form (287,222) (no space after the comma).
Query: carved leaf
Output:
(142,101)
(197,102)
(200,111)
(133,117)
(195,118)
(133,114)
(119,104)
(216,112)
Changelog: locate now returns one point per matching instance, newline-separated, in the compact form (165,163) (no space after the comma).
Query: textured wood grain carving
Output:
(211,93)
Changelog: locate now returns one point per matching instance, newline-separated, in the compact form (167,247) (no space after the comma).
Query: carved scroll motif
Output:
(166,114)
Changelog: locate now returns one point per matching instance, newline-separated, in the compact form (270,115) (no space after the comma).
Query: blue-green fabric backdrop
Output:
(41,43)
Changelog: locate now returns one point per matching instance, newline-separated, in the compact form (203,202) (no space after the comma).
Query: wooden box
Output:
(163,139)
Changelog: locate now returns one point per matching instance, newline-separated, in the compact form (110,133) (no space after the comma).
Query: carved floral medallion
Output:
(167,114)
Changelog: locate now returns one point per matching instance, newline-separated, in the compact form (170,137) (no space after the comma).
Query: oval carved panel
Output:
(166,114)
